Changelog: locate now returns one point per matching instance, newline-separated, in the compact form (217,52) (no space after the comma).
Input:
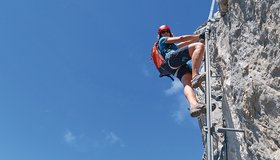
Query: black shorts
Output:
(180,62)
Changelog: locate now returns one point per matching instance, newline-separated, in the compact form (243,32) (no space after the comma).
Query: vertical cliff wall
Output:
(245,65)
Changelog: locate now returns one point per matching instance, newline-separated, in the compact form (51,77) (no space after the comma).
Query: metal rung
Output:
(223,130)
(216,76)
(212,20)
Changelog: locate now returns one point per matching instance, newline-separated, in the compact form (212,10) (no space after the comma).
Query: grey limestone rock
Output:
(244,46)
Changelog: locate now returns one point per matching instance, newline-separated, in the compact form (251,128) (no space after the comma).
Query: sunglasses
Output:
(164,31)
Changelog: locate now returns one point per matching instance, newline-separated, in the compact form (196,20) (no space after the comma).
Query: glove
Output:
(202,35)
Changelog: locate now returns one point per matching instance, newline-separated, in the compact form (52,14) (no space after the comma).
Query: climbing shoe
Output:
(197,80)
(200,108)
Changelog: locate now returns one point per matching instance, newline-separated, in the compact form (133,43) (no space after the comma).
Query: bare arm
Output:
(182,44)
(183,38)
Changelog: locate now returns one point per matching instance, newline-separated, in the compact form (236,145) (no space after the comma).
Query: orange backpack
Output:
(160,62)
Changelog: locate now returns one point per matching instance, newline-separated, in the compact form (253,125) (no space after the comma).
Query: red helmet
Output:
(162,28)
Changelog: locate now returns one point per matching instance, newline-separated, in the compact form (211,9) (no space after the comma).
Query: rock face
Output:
(244,46)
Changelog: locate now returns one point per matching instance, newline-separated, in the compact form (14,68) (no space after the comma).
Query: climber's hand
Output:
(202,35)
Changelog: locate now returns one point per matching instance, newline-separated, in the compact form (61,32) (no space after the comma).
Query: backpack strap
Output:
(160,62)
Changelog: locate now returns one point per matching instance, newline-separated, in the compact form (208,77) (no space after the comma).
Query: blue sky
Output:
(77,83)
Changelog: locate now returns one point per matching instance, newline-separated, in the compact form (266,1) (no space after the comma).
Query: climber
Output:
(178,51)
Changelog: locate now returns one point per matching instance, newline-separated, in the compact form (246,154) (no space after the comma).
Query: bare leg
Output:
(188,90)
(196,51)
